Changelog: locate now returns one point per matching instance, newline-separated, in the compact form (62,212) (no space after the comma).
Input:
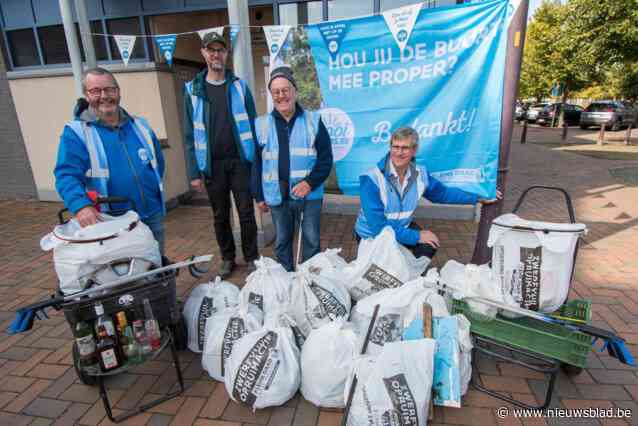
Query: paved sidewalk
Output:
(38,385)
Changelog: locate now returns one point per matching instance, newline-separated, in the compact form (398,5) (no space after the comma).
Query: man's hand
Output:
(87,216)
(429,237)
(499,197)
(263,206)
(197,185)
(301,189)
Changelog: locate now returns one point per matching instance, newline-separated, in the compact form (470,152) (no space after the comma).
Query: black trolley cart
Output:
(159,288)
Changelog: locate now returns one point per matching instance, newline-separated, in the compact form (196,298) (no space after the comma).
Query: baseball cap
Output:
(213,37)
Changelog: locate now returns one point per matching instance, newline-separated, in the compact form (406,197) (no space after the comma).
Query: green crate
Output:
(551,340)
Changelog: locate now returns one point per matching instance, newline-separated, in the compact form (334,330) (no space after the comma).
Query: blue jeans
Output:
(156,223)
(286,217)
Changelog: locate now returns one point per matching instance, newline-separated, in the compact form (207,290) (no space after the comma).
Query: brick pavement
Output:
(38,384)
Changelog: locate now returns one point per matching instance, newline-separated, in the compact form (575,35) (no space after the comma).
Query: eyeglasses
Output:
(213,50)
(283,92)
(108,91)
(398,148)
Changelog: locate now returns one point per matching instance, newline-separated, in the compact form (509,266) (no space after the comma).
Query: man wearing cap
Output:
(293,159)
(219,142)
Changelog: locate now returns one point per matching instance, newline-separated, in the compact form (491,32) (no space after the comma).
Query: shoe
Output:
(226,269)
(250,267)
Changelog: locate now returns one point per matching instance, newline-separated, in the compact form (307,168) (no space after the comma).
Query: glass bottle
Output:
(85,343)
(128,344)
(151,326)
(103,320)
(107,353)
(140,335)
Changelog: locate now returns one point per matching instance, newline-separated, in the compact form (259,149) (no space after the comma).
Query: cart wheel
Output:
(84,378)
(571,370)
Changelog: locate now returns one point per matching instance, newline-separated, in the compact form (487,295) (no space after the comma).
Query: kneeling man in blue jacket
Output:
(107,151)
(390,194)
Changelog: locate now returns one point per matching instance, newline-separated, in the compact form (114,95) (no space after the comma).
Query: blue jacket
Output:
(199,90)
(382,205)
(131,174)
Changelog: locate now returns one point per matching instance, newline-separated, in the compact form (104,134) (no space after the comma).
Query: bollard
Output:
(601,135)
(628,134)
(563,137)
(524,133)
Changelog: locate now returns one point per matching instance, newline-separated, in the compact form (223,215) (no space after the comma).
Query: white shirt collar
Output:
(395,175)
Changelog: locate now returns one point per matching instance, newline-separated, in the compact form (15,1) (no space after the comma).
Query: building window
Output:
(300,13)
(24,51)
(126,26)
(53,45)
(99,42)
(342,9)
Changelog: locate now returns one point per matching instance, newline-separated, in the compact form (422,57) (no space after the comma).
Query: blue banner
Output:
(447,83)
(166,45)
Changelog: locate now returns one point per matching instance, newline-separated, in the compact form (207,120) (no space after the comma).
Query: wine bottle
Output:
(85,343)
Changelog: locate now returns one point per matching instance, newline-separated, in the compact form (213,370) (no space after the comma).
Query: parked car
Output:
(612,114)
(520,111)
(532,111)
(572,114)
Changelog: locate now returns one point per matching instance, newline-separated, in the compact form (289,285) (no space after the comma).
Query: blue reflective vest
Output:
(242,123)
(303,154)
(98,173)
(398,210)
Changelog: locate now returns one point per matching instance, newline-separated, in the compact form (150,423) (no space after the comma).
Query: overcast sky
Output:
(533,4)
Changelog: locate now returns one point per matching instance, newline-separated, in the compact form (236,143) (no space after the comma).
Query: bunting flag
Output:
(166,45)
(234,31)
(125,43)
(276,37)
(218,30)
(401,22)
(333,33)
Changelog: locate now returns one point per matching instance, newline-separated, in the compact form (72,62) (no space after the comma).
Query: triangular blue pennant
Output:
(333,33)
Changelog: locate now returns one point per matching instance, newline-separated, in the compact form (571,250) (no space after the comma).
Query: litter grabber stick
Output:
(353,384)
(26,315)
(614,344)
(299,239)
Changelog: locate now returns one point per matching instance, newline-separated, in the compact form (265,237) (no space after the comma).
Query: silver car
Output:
(532,112)
(612,114)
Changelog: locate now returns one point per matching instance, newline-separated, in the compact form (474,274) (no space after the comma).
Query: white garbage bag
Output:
(465,347)
(83,254)
(263,369)
(204,301)
(328,264)
(223,329)
(393,388)
(381,263)
(398,307)
(326,360)
(475,281)
(268,288)
(533,261)
(316,300)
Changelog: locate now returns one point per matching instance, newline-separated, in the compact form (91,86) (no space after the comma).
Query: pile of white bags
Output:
(114,238)
(263,369)
(393,388)
(268,288)
(328,264)
(534,264)
(205,300)
(382,263)
(223,330)
(326,360)
(316,300)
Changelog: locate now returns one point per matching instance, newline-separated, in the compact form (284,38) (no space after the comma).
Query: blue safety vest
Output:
(397,210)
(242,123)
(303,154)
(97,176)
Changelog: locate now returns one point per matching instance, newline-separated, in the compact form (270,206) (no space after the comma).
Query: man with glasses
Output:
(390,193)
(294,158)
(219,114)
(107,151)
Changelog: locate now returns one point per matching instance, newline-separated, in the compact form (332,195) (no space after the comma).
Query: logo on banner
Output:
(218,30)
(166,46)
(125,44)
(401,22)
(333,34)
(276,37)
(341,131)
